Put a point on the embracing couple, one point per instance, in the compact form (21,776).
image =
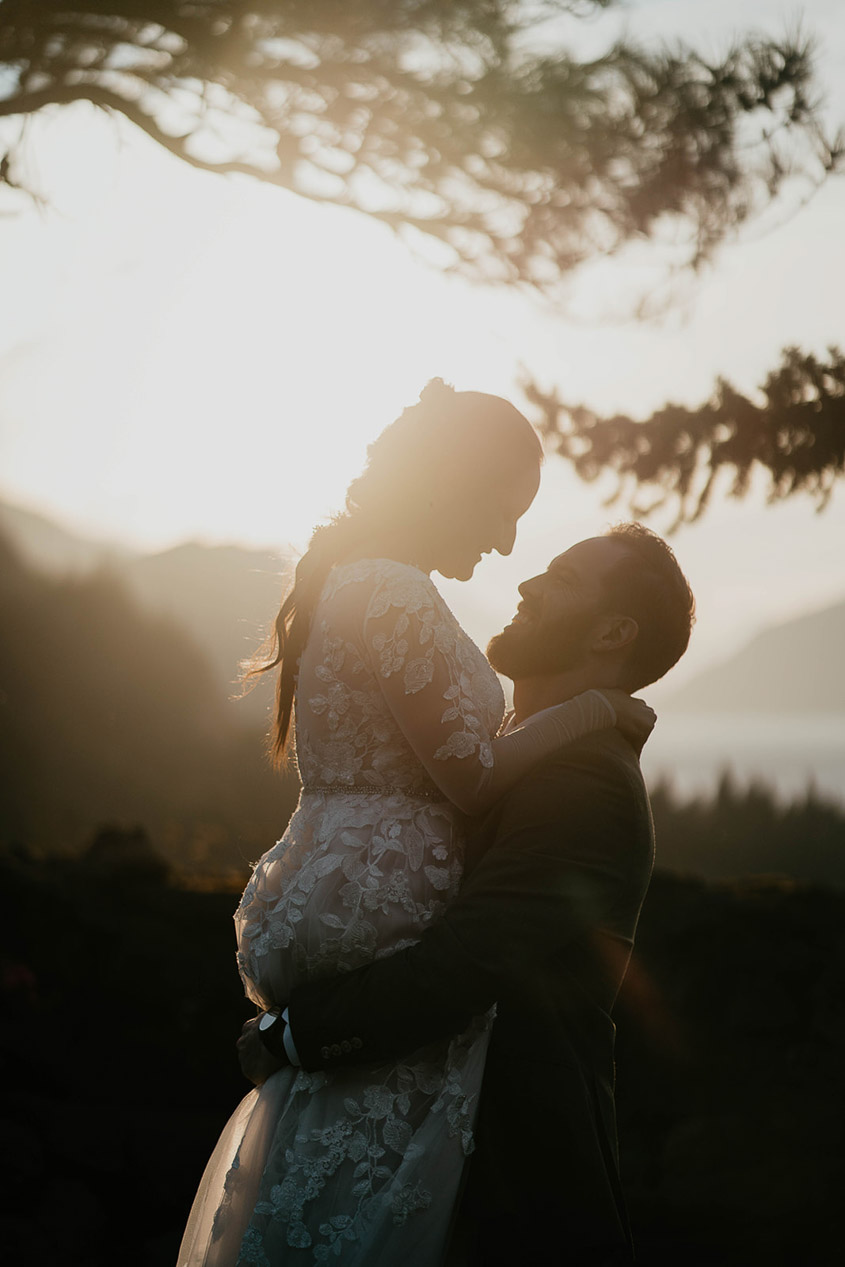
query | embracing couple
(436,943)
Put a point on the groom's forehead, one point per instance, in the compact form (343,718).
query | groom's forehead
(590,558)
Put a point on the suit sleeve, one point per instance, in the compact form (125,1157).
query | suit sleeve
(554,870)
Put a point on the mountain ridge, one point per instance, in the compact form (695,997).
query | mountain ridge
(790,667)
(226,597)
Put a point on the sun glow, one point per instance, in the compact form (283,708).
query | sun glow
(189,357)
(221,353)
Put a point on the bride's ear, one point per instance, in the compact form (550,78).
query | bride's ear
(615,633)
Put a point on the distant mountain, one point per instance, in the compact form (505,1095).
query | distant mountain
(225,597)
(110,715)
(794,667)
(44,544)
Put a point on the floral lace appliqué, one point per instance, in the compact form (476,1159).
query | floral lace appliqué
(359,1154)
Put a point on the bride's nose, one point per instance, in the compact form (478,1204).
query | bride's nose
(505,538)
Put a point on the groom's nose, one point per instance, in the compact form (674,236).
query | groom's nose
(530,588)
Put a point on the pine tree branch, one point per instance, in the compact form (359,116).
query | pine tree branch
(796,434)
(430,116)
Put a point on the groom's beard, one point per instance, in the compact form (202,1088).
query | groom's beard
(533,650)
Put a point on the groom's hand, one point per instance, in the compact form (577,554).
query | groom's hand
(257,1063)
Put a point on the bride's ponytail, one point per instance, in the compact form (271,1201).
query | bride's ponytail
(286,643)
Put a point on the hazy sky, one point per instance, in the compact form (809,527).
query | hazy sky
(187,356)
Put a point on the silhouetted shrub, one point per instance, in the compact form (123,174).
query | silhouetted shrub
(126,854)
(742,832)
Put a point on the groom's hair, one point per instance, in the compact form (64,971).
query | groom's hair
(648,585)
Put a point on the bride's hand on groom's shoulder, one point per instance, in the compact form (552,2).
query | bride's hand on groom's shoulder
(634,718)
(257,1063)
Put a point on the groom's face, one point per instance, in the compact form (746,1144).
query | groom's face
(560,612)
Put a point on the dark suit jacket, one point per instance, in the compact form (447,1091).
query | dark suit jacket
(543,926)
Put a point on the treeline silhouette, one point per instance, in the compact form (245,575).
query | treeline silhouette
(742,831)
(731,1092)
(121,1006)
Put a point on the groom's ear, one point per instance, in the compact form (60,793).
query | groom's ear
(614,633)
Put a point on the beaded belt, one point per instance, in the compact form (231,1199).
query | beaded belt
(356,789)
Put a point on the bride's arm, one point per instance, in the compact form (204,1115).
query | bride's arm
(423,663)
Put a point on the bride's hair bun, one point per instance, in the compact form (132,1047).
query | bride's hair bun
(437,393)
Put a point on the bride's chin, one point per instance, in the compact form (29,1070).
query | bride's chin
(457,571)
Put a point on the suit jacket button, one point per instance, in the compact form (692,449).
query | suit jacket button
(325,1052)
(335,1049)
(357,1044)
(345,1046)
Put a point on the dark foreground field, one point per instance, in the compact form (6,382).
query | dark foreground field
(122,1004)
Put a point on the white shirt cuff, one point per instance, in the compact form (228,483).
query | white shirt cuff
(290,1045)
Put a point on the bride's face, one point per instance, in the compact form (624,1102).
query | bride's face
(471,521)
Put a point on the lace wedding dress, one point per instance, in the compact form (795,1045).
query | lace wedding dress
(362,1166)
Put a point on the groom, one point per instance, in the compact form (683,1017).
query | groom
(543,926)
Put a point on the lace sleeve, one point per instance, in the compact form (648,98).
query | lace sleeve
(425,667)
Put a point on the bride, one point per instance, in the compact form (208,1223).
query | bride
(395,713)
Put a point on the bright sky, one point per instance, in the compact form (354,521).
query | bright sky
(183,356)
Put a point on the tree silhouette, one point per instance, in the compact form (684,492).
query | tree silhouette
(450,117)
(796,434)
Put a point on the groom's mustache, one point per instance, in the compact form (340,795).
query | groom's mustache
(526,613)
(527,610)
